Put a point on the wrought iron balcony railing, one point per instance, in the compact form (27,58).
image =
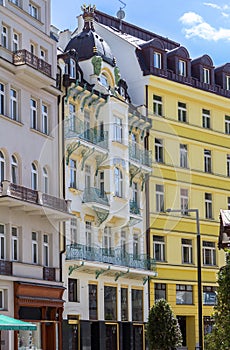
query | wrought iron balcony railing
(116,256)
(93,194)
(134,208)
(140,155)
(25,57)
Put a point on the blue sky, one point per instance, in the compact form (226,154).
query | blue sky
(202,27)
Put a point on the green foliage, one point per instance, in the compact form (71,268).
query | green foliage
(219,338)
(163,330)
(97,62)
(117,75)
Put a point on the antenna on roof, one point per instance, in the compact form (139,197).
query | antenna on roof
(121,13)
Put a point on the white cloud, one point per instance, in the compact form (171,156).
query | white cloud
(222,9)
(197,27)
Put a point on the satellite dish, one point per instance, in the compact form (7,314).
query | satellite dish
(121,14)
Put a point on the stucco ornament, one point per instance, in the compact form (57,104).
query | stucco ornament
(117,75)
(97,61)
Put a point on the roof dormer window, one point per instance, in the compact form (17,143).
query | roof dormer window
(227,82)
(157,60)
(182,68)
(206,75)
(72,68)
(104,80)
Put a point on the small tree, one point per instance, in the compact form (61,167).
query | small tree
(163,330)
(219,337)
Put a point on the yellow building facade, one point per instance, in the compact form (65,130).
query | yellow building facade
(190,172)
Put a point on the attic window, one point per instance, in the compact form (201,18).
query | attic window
(104,80)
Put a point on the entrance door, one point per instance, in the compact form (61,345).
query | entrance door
(50,336)
(138,343)
(111,337)
(182,323)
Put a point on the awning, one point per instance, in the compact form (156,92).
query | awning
(13,324)
(224,234)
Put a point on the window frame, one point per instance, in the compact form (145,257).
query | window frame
(186,251)
(183,156)
(2,98)
(182,112)
(5,36)
(207,161)
(160,198)
(73,173)
(33,10)
(208,205)
(118,182)
(2,166)
(159,248)
(209,253)
(73,290)
(206,75)
(206,118)
(45,119)
(34,246)
(117,129)
(159,150)
(182,68)
(187,290)
(184,201)
(33,114)
(157,105)
(157,60)
(14,169)
(34,177)
(46,250)
(14,107)
(2,242)
(227,124)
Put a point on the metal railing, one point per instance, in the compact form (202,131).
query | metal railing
(116,256)
(26,57)
(93,194)
(134,208)
(140,155)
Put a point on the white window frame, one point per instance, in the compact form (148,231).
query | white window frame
(2,242)
(13,104)
(46,255)
(183,156)
(159,156)
(186,247)
(208,205)
(209,253)
(87,176)
(34,247)
(228,164)
(184,201)
(157,58)
(33,10)
(182,112)
(45,180)
(5,37)
(136,246)
(42,54)
(118,182)
(88,235)
(73,231)
(34,177)
(72,68)
(227,125)
(14,169)
(15,243)
(15,42)
(158,248)
(33,114)
(159,198)
(206,119)
(101,183)
(157,105)
(207,161)
(117,129)
(227,82)
(73,173)
(206,75)
(2,166)
(182,68)
(123,242)
(107,241)
(45,119)
(2,98)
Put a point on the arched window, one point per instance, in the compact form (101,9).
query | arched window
(14,169)
(118,182)
(45,181)
(72,69)
(2,166)
(104,80)
(34,177)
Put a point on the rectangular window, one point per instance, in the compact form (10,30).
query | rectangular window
(45,250)
(209,253)
(73,290)
(2,242)
(206,120)
(227,124)
(15,243)
(184,294)
(159,198)
(33,114)
(209,295)
(72,117)
(15,42)
(136,247)
(73,231)
(13,104)
(228,199)
(124,304)
(110,303)
(182,112)
(87,176)
(183,156)
(208,205)
(157,105)
(33,11)
(157,60)
(2,300)
(182,68)
(158,248)
(186,245)
(160,291)
(184,201)
(117,129)
(228,164)
(123,244)
(5,37)
(101,179)
(73,173)
(207,161)
(34,248)
(107,241)
(93,314)
(227,82)
(159,150)
(88,235)
(2,98)
(42,54)
(137,305)
(206,75)
(45,120)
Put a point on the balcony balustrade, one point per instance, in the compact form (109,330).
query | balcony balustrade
(5,268)
(25,57)
(140,155)
(134,208)
(92,194)
(116,256)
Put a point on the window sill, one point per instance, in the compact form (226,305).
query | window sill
(17,122)
(41,133)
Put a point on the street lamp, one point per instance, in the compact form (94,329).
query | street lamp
(199,283)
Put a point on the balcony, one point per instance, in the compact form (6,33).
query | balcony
(26,199)
(5,268)
(114,256)
(49,274)
(140,155)
(21,57)
(134,208)
(95,195)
